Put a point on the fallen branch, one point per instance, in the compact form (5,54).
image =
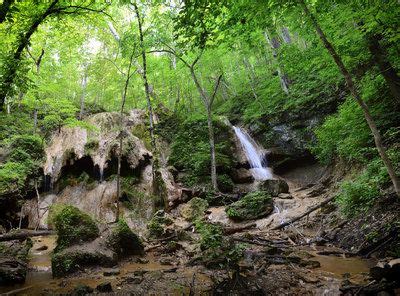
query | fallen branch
(312,209)
(21,235)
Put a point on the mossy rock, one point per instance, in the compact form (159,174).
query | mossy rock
(123,241)
(254,205)
(77,258)
(194,209)
(157,224)
(274,186)
(72,226)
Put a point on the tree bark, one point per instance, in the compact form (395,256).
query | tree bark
(14,61)
(385,67)
(353,90)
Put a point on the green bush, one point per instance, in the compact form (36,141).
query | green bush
(225,183)
(72,226)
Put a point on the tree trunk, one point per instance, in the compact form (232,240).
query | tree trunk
(357,97)
(84,84)
(385,67)
(252,76)
(212,149)
(144,75)
(207,104)
(274,44)
(14,61)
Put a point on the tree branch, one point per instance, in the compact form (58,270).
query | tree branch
(215,89)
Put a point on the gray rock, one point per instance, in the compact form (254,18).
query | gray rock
(111,272)
(274,186)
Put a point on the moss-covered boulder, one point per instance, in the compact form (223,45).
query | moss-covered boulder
(254,205)
(123,241)
(194,209)
(274,186)
(78,257)
(72,226)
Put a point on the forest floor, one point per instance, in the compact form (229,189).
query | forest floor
(298,260)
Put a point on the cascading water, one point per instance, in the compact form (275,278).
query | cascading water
(254,156)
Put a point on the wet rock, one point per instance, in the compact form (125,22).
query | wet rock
(285,196)
(81,290)
(388,270)
(242,175)
(104,287)
(42,248)
(132,279)
(14,261)
(166,261)
(274,186)
(254,205)
(195,208)
(12,270)
(111,272)
(142,260)
(139,272)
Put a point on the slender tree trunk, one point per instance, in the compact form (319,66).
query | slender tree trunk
(144,75)
(274,44)
(83,95)
(15,59)
(357,97)
(207,104)
(252,77)
(385,67)
(121,135)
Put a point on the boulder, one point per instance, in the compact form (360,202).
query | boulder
(274,186)
(254,205)
(123,241)
(12,271)
(195,208)
(14,261)
(78,257)
(388,270)
(242,175)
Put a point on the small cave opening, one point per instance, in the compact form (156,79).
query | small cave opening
(126,170)
(74,172)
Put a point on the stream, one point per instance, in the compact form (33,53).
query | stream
(39,280)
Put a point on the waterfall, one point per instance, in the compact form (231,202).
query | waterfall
(253,155)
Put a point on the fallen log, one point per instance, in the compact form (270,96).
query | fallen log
(232,230)
(312,209)
(21,235)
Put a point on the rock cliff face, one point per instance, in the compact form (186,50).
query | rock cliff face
(100,142)
(81,167)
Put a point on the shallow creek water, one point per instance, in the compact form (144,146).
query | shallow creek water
(39,278)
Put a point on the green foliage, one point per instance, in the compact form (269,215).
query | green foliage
(217,251)
(252,206)
(72,226)
(191,149)
(211,235)
(157,223)
(194,209)
(225,183)
(358,194)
